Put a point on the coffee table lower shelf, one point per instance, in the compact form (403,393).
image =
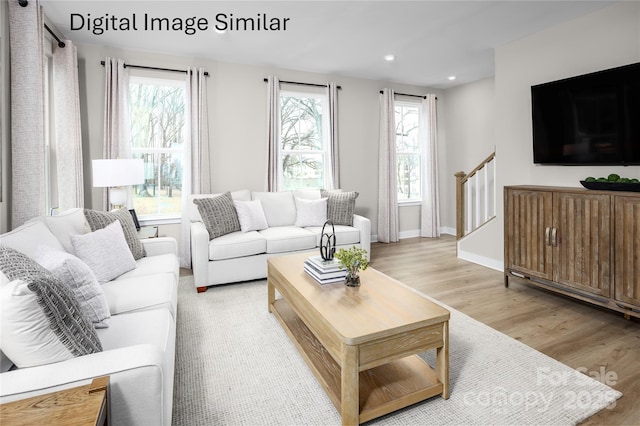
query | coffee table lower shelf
(383,389)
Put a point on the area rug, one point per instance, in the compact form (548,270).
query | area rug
(236,366)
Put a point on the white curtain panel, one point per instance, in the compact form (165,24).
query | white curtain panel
(388,230)
(26,41)
(196,177)
(68,138)
(332,95)
(430,211)
(273,131)
(117,140)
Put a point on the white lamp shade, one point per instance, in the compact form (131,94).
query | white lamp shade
(120,172)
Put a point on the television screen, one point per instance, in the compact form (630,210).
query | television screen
(588,120)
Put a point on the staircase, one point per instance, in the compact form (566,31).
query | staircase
(475,197)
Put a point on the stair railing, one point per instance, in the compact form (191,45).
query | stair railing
(476,197)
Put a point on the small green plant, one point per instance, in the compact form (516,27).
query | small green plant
(354,259)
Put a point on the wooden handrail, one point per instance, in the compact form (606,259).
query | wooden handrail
(461,179)
(479,167)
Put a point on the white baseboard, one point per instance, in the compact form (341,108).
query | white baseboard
(481,260)
(416,233)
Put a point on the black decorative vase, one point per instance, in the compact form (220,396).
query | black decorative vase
(328,242)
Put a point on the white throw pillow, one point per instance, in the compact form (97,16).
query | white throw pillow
(105,251)
(26,336)
(80,278)
(251,215)
(41,320)
(311,212)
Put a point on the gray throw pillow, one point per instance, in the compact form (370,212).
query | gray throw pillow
(341,206)
(218,214)
(58,303)
(79,277)
(105,252)
(99,220)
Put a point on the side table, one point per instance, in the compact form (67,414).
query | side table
(80,406)
(148,232)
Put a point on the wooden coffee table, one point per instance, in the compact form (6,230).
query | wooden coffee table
(361,342)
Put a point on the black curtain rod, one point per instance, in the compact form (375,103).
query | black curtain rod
(303,84)
(143,67)
(25,3)
(408,94)
(60,42)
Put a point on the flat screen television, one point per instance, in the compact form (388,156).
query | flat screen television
(592,119)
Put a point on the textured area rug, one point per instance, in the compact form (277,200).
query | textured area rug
(236,365)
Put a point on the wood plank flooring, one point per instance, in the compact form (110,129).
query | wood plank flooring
(577,334)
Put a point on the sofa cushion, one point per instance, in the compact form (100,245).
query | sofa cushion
(282,239)
(307,194)
(340,206)
(141,293)
(152,327)
(41,320)
(151,265)
(105,251)
(237,244)
(310,212)
(218,214)
(279,207)
(344,234)
(251,215)
(67,223)
(99,220)
(80,278)
(28,237)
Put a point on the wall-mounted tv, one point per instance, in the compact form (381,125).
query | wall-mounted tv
(592,119)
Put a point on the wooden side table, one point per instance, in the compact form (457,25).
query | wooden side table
(81,406)
(148,232)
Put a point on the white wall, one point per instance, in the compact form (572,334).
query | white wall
(237,117)
(470,125)
(601,40)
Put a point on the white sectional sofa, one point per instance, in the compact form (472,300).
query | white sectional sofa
(138,346)
(291,226)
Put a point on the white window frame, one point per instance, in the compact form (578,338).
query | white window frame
(168,80)
(419,153)
(326,143)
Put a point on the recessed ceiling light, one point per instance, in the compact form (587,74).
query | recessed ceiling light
(451,77)
(389,58)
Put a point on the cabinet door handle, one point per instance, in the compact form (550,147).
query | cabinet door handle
(547,234)
(554,237)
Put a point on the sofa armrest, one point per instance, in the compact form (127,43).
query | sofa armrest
(136,385)
(160,245)
(363,224)
(200,254)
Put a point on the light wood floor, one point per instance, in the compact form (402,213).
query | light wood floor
(575,333)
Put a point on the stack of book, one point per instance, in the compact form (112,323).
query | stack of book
(325,271)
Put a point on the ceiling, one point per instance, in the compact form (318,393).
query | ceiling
(431,40)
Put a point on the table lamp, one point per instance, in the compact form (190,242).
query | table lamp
(117,174)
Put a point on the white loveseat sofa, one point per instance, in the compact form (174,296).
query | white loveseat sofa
(242,256)
(138,346)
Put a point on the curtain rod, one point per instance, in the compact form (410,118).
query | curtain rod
(60,42)
(408,94)
(25,3)
(303,84)
(144,67)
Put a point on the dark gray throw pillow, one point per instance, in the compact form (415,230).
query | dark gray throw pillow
(99,220)
(341,206)
(57,301)
(219,215)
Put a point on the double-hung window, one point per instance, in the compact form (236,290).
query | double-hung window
(304,148)
(408,152)
(157,110)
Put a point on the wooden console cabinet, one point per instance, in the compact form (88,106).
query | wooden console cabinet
(578,242)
